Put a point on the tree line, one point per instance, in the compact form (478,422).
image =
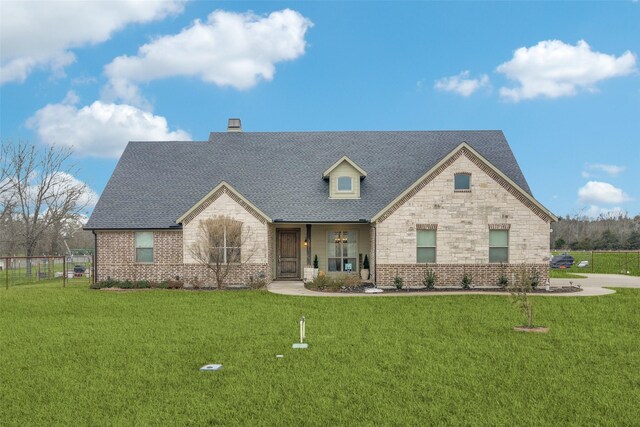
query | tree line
(579,232)
(41,203)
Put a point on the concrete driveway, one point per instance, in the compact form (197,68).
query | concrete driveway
(601,280)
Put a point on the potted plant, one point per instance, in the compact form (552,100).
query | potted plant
(315,266)
(364,272)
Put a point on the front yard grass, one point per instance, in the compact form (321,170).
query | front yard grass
(84,357)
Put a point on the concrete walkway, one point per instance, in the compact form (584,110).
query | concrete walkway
(593,285)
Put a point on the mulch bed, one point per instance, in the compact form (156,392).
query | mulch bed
(361,290)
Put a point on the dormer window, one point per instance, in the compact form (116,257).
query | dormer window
(462,182)
(345,178)
(345,183)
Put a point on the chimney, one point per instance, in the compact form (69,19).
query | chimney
(234,125)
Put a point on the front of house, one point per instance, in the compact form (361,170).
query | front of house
(452,201)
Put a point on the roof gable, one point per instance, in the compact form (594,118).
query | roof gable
(361,171)
(465,149)
(218,190)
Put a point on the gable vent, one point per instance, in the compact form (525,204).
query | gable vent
(234,125)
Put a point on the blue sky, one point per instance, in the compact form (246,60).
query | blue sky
(560,79)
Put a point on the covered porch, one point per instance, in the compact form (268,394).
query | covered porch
(339,247)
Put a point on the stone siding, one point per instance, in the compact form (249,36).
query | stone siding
(450,275)
(225,204)
(463,220)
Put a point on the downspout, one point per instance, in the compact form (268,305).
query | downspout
(95,256)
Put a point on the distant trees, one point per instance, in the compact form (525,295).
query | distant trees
(40,200)
(603,233)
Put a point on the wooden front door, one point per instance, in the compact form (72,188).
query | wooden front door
(288,253)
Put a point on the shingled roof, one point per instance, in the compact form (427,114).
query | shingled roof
(155,183)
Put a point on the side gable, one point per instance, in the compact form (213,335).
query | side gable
(465,150)
(213,195)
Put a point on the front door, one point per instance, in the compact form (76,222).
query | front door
(288,253)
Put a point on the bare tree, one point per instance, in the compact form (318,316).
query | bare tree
(40,190)
(223,244)
(520,289)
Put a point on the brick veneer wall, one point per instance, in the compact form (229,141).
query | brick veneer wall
(451,274)
(116,259)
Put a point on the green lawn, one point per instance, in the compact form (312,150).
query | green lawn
(604,263)
(80,357)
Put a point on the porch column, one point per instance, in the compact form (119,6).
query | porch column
(308,244)
(372,257)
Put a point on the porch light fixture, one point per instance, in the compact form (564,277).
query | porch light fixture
(305,242)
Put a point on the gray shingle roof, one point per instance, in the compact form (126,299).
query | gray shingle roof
(155,183)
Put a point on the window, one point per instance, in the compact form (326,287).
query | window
(228,244)
(426,242)
(345,183)
(342,249)
(462,182)
(498,246)
(144,246)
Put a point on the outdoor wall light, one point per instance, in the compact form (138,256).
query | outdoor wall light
(305,242)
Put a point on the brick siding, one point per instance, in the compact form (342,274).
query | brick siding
(451,274)
(116,260)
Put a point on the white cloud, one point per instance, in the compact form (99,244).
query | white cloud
(461,83)
(612,170)
(553,69)
(595,193)
(39,35)
(229,49)
(88,199)
(100,129)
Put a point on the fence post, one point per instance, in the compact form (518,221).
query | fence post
(592,261)
(64,271)
(6,271)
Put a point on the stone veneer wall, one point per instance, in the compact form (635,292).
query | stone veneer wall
(462,220)
(116,259)
(450,275)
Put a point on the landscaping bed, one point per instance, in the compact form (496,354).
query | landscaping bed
(363,288)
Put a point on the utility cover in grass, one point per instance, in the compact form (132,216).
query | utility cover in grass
(214,367)
(300,345)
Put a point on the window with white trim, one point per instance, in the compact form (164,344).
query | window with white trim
(345,183)
(144,246)
(498,245)
(426,246)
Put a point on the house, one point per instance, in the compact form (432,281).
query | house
(453,201)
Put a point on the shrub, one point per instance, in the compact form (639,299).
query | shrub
(127,284)
(503,281)
(399,282)
(466,281)
(257,282)
(429,278)
(163,285)
(365,263)
(315,261)
(350,280)
(323,282)
(174,284)
(534,279)
(143,284)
